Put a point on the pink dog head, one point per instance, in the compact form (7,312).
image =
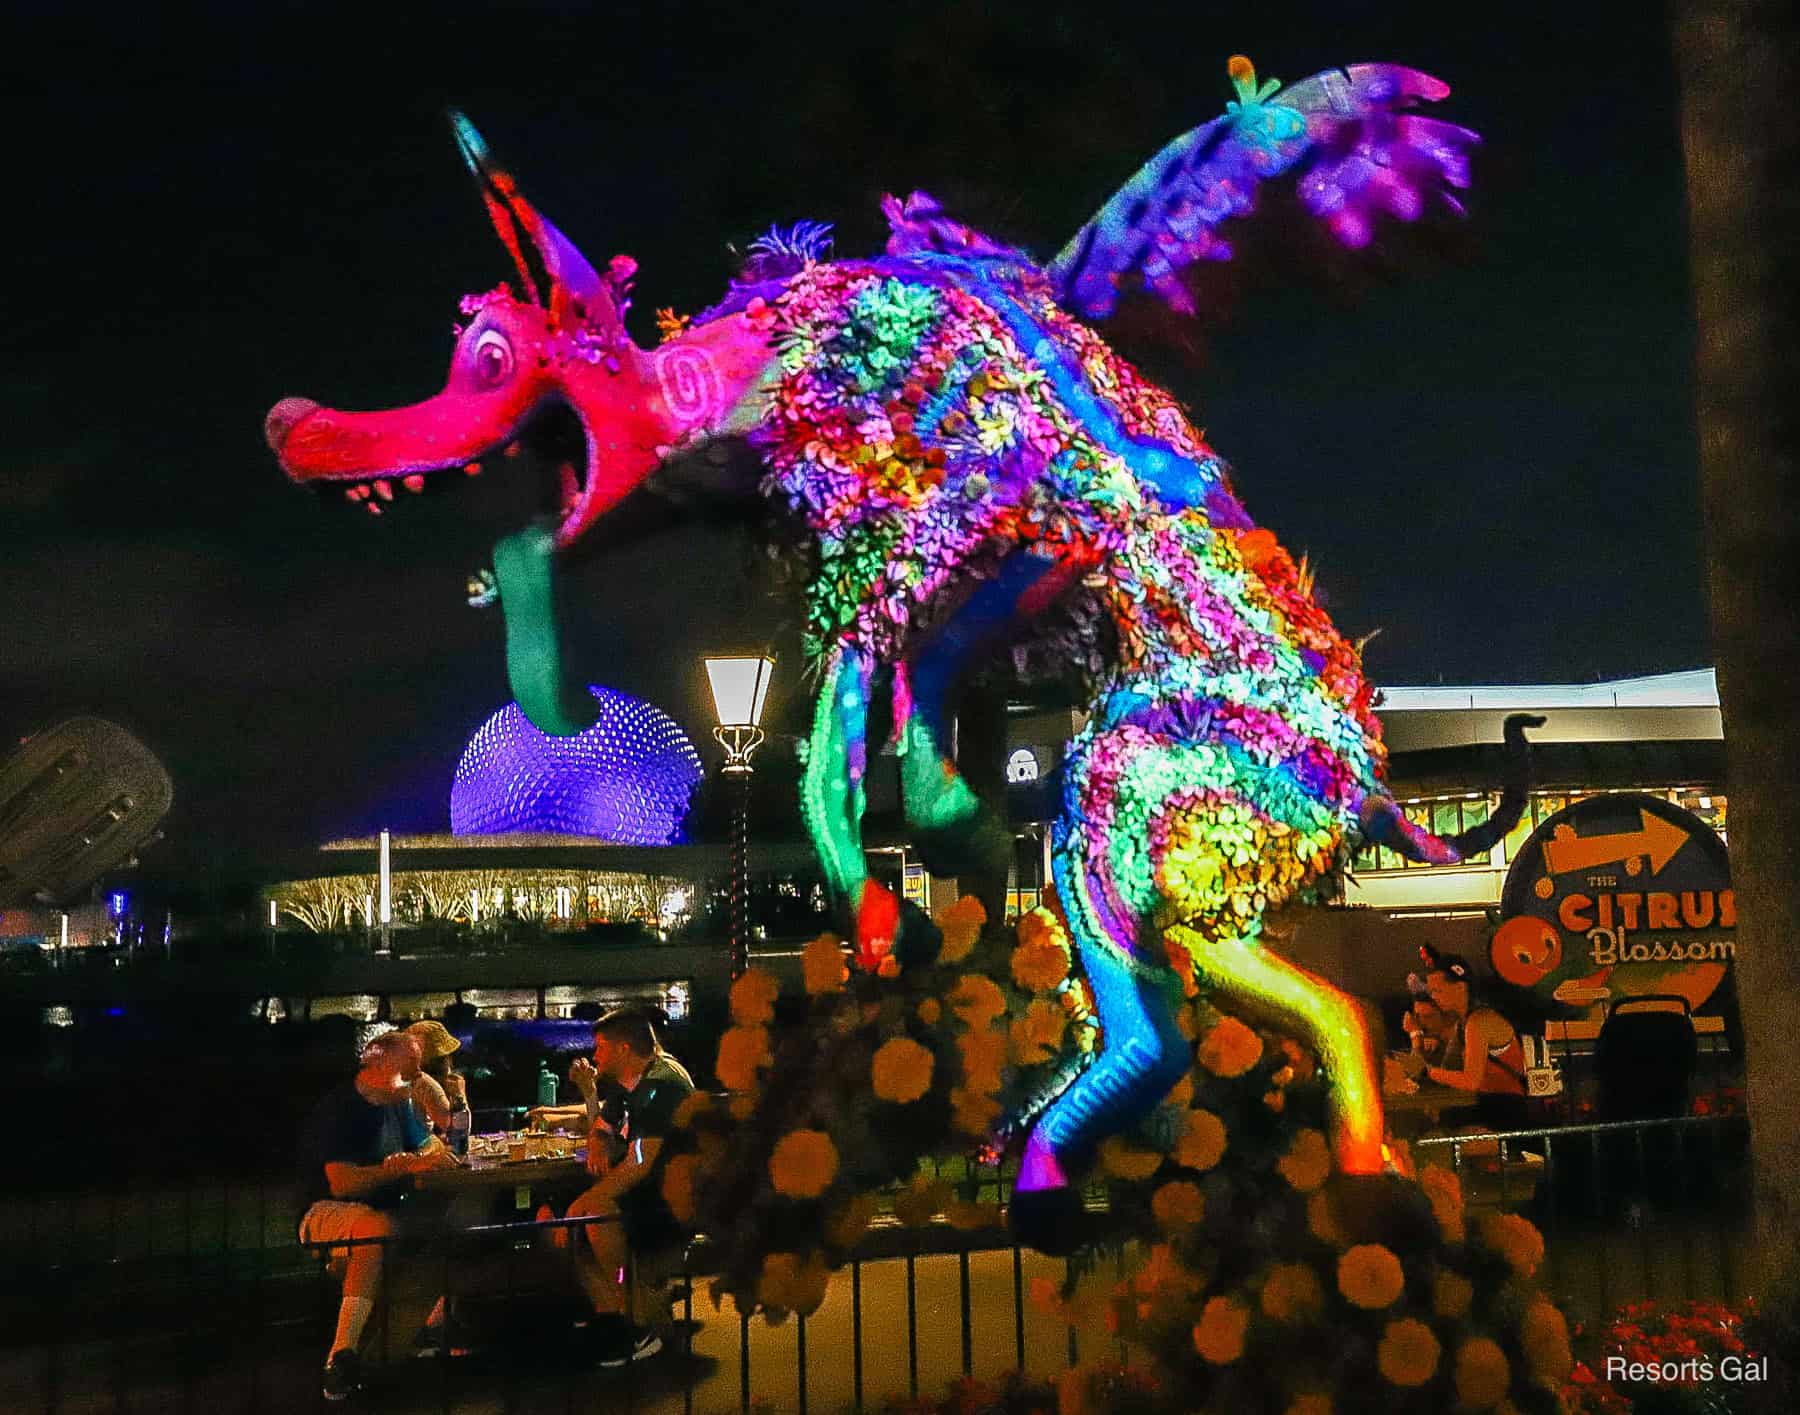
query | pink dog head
(565,340)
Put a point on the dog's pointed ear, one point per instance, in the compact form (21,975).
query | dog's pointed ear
(555,274)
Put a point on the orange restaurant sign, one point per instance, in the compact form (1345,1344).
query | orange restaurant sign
(1618,896)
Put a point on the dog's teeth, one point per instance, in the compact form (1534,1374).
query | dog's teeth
(350,494)
(473,469)
(384,489)
(374,510)
(414,483)
(512,450)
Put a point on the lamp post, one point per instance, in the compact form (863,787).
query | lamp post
(740,685)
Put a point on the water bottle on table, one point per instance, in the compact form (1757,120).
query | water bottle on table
(460,1121)
(546,1084)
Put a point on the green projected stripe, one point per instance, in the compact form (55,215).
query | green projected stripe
(524,566)
(937,798)
(832,807)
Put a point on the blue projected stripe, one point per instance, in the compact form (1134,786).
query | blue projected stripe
(1178,480)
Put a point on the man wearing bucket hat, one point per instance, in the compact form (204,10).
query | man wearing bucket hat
(439,1091)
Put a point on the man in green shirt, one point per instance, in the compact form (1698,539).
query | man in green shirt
(623,1155)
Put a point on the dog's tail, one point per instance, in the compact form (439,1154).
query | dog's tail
(1383,823)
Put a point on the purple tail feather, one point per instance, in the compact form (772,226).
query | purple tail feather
(1356,155)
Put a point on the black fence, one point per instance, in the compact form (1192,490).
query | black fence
(119,1314)
(202,1298)
(1630,1210)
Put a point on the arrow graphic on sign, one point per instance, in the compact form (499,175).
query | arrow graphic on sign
(1656,838)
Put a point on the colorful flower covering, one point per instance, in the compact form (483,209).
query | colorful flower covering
(936,414)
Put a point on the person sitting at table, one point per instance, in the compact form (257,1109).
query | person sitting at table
(438,1090)
(627,1193)
(358,1153)
(600,1102)
(438,1093)
(1428,1030)
(1482,1054)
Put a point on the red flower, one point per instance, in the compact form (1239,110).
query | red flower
(759,315)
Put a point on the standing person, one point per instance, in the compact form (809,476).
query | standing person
(439,1090)
(623,1158)
(1483,1054)
(358,1153)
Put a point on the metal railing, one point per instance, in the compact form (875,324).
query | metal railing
(107,1323)
(202,1298)
(1629,1210)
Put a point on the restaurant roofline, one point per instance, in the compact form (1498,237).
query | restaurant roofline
(1693,688)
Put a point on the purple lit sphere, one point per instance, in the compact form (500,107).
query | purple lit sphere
(628,778)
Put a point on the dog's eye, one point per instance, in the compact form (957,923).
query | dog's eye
(493,359)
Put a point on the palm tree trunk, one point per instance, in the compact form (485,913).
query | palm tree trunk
(1738,72)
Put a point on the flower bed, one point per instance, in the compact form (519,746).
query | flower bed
(1690,1357)
(1264,1279)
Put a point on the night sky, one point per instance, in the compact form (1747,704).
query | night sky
(1485,445)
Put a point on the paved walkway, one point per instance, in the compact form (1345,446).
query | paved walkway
(535,1368)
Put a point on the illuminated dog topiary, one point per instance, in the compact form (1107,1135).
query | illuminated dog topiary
(975,467)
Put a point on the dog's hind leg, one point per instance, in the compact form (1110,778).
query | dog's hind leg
(1135,991)
(1163,830)
(1258,983)
(1142,1057)
(1236,839)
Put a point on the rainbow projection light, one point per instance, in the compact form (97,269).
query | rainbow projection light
(977,471)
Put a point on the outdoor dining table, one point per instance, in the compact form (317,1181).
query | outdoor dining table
(474,1253)
(489,1168)
(1411,1112)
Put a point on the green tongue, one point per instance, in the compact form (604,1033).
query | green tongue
(524,565)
